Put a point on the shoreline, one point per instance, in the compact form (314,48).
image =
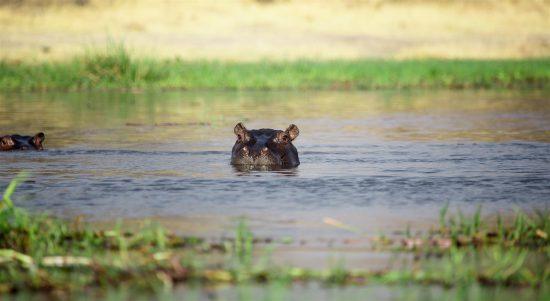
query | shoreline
(118,69)
(42,253)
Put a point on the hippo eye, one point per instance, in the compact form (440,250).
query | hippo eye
(281,137)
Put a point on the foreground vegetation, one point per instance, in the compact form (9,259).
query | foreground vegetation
(47,254)
(117,69)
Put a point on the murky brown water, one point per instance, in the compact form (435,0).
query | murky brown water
(375,160)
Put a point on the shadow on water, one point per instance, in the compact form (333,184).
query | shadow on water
(250,170)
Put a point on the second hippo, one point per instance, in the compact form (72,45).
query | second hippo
(18,142)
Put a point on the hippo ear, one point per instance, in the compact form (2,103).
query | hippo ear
(6,143)
(292,132)
(38,140)
(241,132)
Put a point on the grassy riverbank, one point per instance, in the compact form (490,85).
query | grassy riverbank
(47,254)
(117,69)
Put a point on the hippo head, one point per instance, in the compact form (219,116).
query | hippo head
(17,142)
(265,147)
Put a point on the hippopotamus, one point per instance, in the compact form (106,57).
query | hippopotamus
(265,147)
(18,142)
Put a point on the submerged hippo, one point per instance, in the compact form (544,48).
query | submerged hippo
(265,147)
(18,142)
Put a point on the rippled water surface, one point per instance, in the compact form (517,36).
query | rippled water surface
(376,160)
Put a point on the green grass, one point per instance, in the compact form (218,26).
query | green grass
(42,253)
(116,68)
(523,231)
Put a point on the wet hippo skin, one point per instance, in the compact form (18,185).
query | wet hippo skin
(265,147)
(18,142)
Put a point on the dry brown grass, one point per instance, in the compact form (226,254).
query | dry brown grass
(250,30)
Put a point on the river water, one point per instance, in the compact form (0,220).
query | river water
(377,161)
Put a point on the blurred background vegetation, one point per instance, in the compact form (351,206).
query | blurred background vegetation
(278,29)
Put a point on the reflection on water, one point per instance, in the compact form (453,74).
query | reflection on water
(246,170)
(377,160)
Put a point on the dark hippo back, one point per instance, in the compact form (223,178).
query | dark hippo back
(265,147)
(18,142)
